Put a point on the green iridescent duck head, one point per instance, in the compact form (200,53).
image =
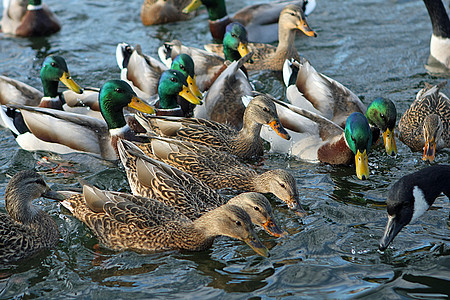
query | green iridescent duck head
(54,69)
(113,97)
(382,114)
(359,139)
(171,84)
(185,65)
(235,42)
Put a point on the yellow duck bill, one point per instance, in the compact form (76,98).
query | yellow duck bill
(272,228)
(194,88)
(70,83)
(187,94)
(195,4)
(141,106)
(389,142)
(362,165)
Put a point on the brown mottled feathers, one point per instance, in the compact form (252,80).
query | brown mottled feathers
(428,101)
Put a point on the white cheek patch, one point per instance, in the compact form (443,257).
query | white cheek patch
(420,204)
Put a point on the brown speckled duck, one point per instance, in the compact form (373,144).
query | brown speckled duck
(26,229)
(426,123)
(34,19)
(260,20)
(154,179)
(221,170)
(122,221)
(267,57)
(245,143)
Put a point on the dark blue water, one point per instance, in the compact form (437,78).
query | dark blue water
(376,48)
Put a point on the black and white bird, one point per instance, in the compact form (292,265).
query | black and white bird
(411,196)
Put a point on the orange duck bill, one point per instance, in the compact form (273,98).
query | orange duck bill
(273,229)
(279,129)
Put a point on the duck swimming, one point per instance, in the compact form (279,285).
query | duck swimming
(122,221)
(26,230)
(245,143)
(34,19)
(260,20)
(38,128)
(411,197)
(426,123)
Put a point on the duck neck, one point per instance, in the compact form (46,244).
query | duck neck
(286,39)
(230,53)
(439,18)
(23,213)
(216,10)
(168,101)
(50,88)
(113,116)
(34,5)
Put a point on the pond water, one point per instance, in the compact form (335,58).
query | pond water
(376,48)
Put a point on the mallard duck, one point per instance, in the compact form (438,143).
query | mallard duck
(426,123)
(34,19)
(245,143)
(260,20)
(142,72)
(193,198)
(221,170)
(54,69)
(411,196)
(154,12)
(318,93)
(315,138)
(268,57)
(122,221)
(440,39)
(26,229)
(222,102)
(209,66)
(37,128)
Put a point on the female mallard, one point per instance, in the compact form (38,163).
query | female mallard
(440,39)
(26,229)
(54,69)
(411,197)
(260,20)
(209,66)
(318,93)
(223,101)
(34,19)
(245,143)
(154,12)
(267,57)
(122,221)
(315,138)
(221,170)
(426,123)
(193,198)
(37,128)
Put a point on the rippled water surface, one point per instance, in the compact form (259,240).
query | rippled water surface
(376,48)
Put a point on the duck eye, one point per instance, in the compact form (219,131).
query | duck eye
(119,90)
(173,79)
(283,185)
(182,67)
(53,64)
(238,223)
(292,14)
(233,35)
(256,208)
(265,109)
(381,115)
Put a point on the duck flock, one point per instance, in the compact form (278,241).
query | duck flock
(190,124)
